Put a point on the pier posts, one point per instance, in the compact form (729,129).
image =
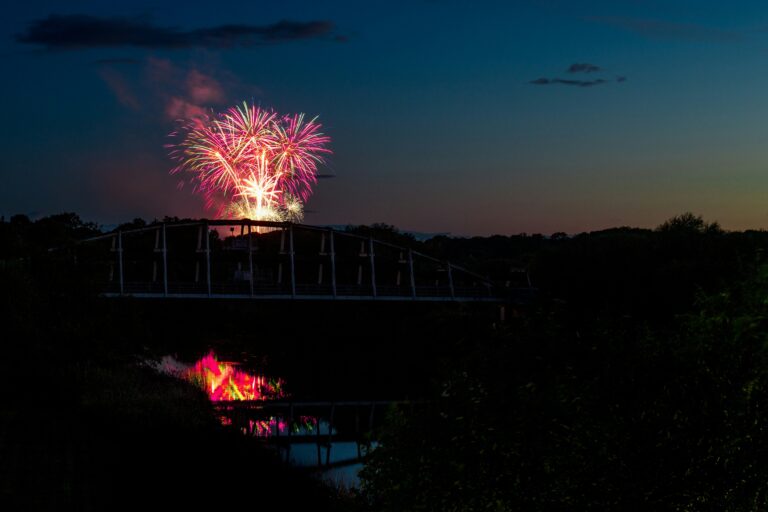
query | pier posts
(293,266)
(413,278)
(120,260)
(373,265)
(207,257)
(333,265)
(165,262)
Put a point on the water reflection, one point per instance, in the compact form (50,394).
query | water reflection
(334,437)
(223,380)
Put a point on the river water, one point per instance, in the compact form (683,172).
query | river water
(246,401)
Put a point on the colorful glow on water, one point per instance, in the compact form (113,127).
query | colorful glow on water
(224,381)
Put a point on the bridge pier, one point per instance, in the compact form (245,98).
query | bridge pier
(410,268)
(207,234)
(293,263)
(333,265)
(250,258)
(165,262)
(373,265)
(120,261)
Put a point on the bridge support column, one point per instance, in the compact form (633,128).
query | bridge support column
(207,257)
(330,435)
(410,268)
(373,265)
(293,264)
(333,265)
(320,265)
(317,434)
(165,262)
(250,257)
(290,429)
(120,260)
(450,280)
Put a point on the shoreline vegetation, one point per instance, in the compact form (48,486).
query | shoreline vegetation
(636,380)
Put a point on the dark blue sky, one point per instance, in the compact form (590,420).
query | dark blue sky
(444,116)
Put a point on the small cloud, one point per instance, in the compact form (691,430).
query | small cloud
(578,67)
(561,81)
(83,31)
(582,67)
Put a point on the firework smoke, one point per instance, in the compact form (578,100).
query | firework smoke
(252,163)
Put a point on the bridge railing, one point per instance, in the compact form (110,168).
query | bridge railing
(257,259)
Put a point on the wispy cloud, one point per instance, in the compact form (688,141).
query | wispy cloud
(582,67)
(84,31)
(160,86)
(669,30)
(204,89)
(562,81)
(184,93)
(575,68)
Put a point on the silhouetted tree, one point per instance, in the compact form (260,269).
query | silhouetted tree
(384,232)
(689,223)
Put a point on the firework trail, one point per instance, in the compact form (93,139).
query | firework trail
(252,163)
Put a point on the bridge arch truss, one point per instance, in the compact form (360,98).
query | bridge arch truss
(248,259)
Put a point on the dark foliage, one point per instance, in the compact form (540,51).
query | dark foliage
(621,418)
(647,274)
(22,238)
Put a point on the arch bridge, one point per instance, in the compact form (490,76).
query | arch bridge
(248,259)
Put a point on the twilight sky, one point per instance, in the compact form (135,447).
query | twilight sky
(503,117)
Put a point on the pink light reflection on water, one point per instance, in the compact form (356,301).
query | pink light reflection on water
(223,382)
(277,426)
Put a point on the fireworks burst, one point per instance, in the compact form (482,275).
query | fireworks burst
(252,163)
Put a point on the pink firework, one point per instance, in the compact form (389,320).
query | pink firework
(298,151)
(251,162)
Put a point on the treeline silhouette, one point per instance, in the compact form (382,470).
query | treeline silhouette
(648,273)
(637,379)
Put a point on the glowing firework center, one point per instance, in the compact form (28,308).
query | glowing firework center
(252,163)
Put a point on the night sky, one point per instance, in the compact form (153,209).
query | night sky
(497,117)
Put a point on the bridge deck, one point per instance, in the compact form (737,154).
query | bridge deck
(395,298)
